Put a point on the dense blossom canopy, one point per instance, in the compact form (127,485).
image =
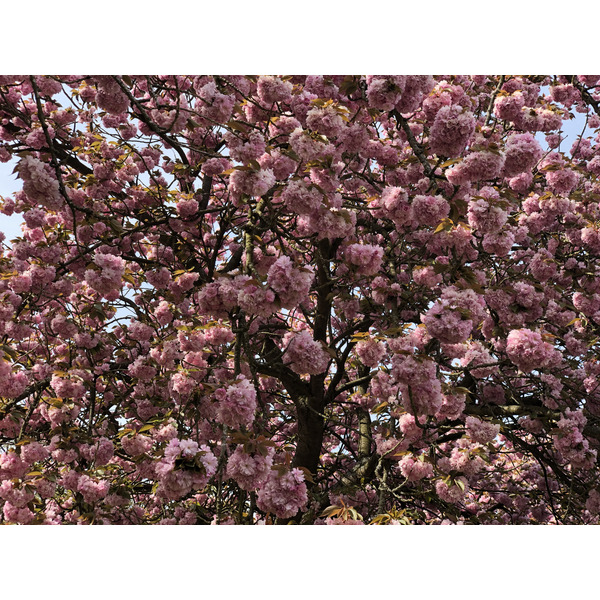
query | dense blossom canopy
(321,299)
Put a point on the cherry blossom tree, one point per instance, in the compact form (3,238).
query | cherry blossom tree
(316,300)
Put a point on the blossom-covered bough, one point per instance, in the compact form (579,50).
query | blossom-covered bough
(298,299)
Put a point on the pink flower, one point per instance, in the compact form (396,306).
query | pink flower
(477,166)
(110,97)
(418,384)
(213,104)
(452,318)
(366,257)
(237,404)
(480,431)
(40,183)
(325,120)
(67,388)
(508,108)
(593,502)
(301,199)
(370,352)
(249,470)
(291,284)
(529,351)
(484,215)
(430,210)
(215,166)
(140,369)
(522,152)
(283,494)
(561,182)
(304,355)
(252,183)
(452,493)
(451,131)
(273,89)
(385,92)
(15,514)
(187,208)
(414,469)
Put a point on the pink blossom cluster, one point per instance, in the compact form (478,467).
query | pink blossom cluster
(183,385)
(135,445)
(480,431)
(328,223)
(291,284)
(477,166)
(426,276)
(529,351)
(418,383)
(140,369)
(92,490)
(100,453)
(429,210)
(217,297)
(187,208)
(499,243)
(110,97)
(250,470)
(107,279)
(451,492)
(384,92)
(214,105)
(309,147)
(593,502)
(562,181)
(571,443)
(508,107)
(272,89)
(370,352)
(304,355)
(216,166)
(247,148)
(416,88)
(484,214)
(477,354)
(590,236)
(452,407)
(33,452)
(543,266)
(522,152)
(451,131)
(281,165)
(325,120)
(40,183)
(394,205)
(17,514)
(163,313)
(452,318)
(365,257)
(236,404)
(139,331)
(462,460)
(178,482)
(67,387)
(415,469)
(17,497)
(283,494)
(11,384)
(300,198)
(252,183)
(12,465)
(253,297)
